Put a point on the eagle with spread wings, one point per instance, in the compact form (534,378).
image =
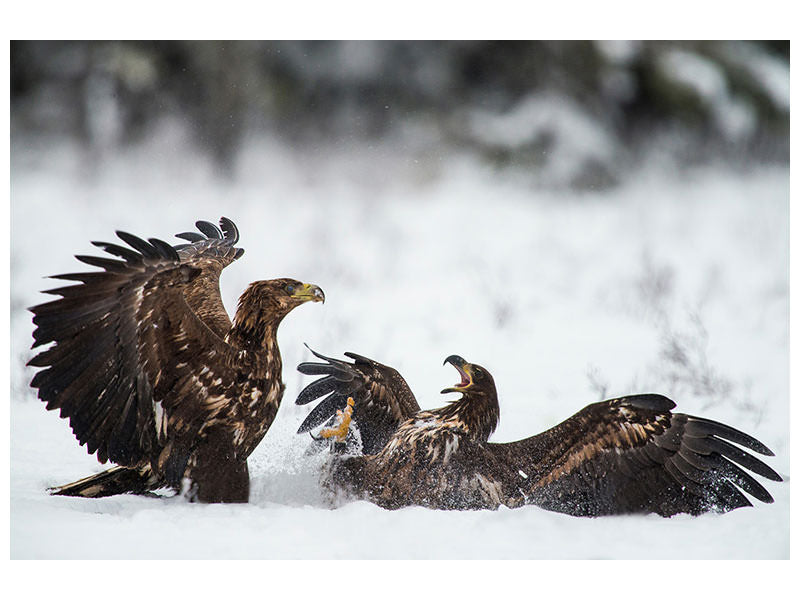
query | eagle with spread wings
(626,455)
(146,364)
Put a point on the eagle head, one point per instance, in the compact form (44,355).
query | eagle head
(477,411)
(265,303)
(474,378)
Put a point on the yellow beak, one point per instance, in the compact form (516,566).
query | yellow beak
(310,293)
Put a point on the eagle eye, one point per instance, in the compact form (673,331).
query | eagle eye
(290,289)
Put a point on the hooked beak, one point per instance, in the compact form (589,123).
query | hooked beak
(464,369)
(309,292)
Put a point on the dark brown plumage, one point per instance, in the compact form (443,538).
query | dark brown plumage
(626,455)
(383,399)
(151,372)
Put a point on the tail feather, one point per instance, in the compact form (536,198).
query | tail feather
(117,480)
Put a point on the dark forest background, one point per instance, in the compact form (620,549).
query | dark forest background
(692,102)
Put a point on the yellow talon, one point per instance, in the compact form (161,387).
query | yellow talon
(339,432)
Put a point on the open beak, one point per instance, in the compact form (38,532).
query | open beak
(309,292)
(464,369)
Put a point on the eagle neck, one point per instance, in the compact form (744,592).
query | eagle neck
(255,334)
(477,413)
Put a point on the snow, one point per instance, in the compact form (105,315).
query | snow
(674,283)
(621,52)
(769,71)
(572,137)
(735,117)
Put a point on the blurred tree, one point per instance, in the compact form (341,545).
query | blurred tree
(571,112)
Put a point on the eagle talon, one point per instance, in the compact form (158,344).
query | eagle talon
(338,433)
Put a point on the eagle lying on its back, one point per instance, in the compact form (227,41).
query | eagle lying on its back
(627,455)
(152,374)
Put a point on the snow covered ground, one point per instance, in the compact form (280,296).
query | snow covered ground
(675,283)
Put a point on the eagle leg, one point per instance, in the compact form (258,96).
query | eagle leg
(339,431)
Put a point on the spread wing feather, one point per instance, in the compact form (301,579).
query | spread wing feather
(632,454)
(382,397)
(134,366)
(210,253)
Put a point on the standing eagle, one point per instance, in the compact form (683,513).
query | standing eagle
(626,455)
(151,373)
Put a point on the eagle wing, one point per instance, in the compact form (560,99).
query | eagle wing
(632,454)
(382,398)
(210,252)
(137,363)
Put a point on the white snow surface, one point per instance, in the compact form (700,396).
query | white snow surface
(674,283)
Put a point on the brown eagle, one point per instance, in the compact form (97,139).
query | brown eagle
(151,373)
(626,455)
